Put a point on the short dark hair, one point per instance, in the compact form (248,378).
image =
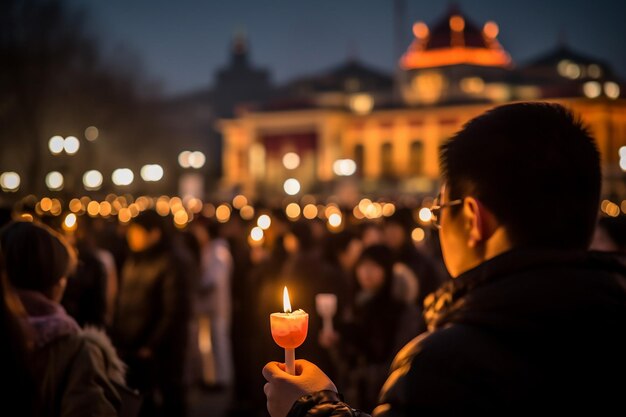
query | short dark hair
(535,166)
(35,256)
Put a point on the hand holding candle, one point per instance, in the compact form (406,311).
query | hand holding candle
(289,331)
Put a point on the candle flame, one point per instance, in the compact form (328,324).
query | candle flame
(286,303)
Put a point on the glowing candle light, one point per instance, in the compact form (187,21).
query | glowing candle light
(289,331)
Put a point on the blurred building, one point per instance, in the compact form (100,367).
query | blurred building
(356,127)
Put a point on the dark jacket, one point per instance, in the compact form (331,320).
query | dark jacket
(528,330)
(154,303)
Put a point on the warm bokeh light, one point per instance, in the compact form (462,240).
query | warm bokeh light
(55,144)
(611,89)
(71,144)
(592,89)
(472,85)
(610,208)
(151,172)
(93,208)
(293,211)
(194,205)
(491,29)
(239,201)
(54,181)
(183,159)
(75,205)
(418,234)
(188,159)
(291,186)
(92,180)
(105,209)
(222,213)
(364,204)
(291,160)
(124,215)
(91,133)
(388,209)
(197,159)
(246,212)
(420,30)
(122,176)
(457,23)
(10,181)
(331,209)
(362,103)
(264,221)
(357,213)
(425,215)
(69,223)
(256,234)
(181,218)
(334,220)
(309,211)
(45,204)
(56,208)
(344,167)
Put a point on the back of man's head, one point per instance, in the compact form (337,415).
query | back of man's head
(535,166)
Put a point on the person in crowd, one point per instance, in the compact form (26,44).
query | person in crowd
(380,325)
(91,290)
(76,371)
(371,234)
(422,276)
(151,322)
(214,305)
(17,380)
(341,252)
(531,320)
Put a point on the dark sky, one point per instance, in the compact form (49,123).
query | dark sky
(182,42)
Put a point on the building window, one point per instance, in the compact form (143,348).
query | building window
(386,159)
(359,158)
(416,158)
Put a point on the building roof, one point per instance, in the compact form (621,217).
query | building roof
(454,39)
(350,76)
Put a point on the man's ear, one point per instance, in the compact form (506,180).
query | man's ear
(479,220)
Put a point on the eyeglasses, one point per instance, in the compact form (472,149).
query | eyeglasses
(435,210)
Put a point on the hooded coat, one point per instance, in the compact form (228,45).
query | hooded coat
(77,371)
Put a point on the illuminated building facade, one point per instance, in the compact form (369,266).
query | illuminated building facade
(391,127)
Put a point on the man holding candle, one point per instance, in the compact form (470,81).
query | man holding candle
(531,320)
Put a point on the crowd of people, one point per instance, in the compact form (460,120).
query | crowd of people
(122,319)
(169,309)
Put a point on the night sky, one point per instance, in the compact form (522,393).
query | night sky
(181,43)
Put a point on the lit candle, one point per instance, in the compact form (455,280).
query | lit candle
(289,331)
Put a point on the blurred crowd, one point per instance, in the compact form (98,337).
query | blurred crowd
(125,319)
